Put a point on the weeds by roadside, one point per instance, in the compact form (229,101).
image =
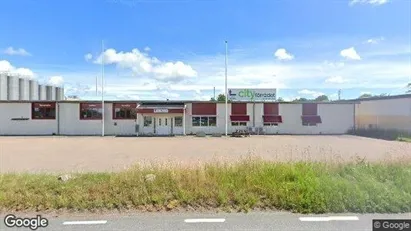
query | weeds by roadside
(385,134)
(299,187)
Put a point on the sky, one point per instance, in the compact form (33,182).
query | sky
(175,49)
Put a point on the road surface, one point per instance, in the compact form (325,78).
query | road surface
(280,221)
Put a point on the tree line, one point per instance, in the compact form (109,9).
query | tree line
(321,98)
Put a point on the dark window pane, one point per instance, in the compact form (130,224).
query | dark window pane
(212,121)
(196,121)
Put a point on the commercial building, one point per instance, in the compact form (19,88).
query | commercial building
(173,117)
(387,112)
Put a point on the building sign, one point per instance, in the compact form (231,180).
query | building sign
(160,110)
(252,94)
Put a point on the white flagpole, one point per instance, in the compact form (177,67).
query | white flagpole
(102,88)
(226,90)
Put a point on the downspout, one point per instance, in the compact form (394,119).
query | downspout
(253,114)
(184,119)
(58,118)
(355,120)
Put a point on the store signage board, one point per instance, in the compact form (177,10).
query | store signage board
(247,94)
(160,110)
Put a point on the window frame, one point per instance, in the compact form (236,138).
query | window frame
(200,124)
(52,106)
(130,108)
(149,124)
(178,124)
(310,124)
(270,124)
(98,108)
(238,123)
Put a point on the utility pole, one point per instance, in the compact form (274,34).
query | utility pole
(226,91)
(339,94)
(102,88)
(214,94)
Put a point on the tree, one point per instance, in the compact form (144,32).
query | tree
(221,98)
(212,99)
(301,100)
(280,99)
(365,95)
(322,98)
(409,88)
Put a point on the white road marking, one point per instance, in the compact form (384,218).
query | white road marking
(331,218)
(85,222)
(204,220)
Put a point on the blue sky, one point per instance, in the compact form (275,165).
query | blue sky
(159,49)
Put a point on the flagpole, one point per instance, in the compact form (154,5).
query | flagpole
(226,90)
(102,88)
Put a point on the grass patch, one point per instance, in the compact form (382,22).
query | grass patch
(299,187)
(404,139)
(385,134)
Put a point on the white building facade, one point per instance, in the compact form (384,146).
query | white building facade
(390,112)
(172,118)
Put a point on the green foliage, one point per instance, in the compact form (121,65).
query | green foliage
(322,98)
(221,98)
(385,134)
(306,187)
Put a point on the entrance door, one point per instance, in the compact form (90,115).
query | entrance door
(163,126)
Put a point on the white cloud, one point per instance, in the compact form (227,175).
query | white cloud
(371,2)
(366,92)
(375,40)
(56,81)
(350,53)
(169,95)
(142,64)
(147,49)
(333,96)
(310,93)
(333,64)
(282,54)
(88,57)
(18,51)
(336,79)
(5,66)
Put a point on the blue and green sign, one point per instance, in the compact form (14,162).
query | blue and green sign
(252,94)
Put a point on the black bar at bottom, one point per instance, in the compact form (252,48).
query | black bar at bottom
(391,225)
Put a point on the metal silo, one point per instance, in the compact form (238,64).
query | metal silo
(3,87)
(34,90)
(42,92)
(13,85)
(51,93)
(24,89)
(59,93)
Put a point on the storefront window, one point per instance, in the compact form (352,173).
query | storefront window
(148,121)
(178,121)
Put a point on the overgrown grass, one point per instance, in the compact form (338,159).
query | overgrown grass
(404,139)
(385,134)
(299,187)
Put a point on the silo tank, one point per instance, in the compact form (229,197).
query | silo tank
(51,93)
(42,92)
(3,87)
(59,93)
(13,85)
(24,89)
(34,90)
